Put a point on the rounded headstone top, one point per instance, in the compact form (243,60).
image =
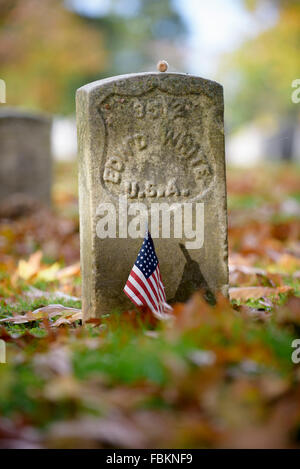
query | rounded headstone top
(162,66)
(137,83)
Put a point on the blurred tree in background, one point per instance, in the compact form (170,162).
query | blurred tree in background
(263,69)
(45,51)
(49,48)
(140,33)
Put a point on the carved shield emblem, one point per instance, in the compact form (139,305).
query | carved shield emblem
(157,146)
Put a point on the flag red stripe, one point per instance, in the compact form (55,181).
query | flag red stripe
(131,296)
(144,287)
(153,285)
(134,291)
(138,294)
(154,290)
(148,287)
(147,284)
(162,285)
(154,281)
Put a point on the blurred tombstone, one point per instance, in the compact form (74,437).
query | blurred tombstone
(245,147)
(2,91)
(280,145)
(151,138)
(254,143)
(25,155)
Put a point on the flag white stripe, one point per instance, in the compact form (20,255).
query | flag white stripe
(162,289)
(133,295)
(162,293)
(158,288)
(145,283)
(151,281)
(161,286)
(141,291)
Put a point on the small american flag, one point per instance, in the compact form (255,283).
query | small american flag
(144,286)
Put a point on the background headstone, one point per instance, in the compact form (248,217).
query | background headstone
(25,155)
(163,129)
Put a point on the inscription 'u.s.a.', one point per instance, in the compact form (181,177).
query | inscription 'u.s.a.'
(152,143)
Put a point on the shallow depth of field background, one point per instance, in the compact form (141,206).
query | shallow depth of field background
(213,377)
(48,49)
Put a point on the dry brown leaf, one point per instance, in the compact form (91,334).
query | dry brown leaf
(115,430)
(245,269)
(33,293)
(46,312)
(49,273)
(14,436)
(69,271)
(68,319)
(27,269)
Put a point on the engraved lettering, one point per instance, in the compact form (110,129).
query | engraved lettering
(150,190)
(171,137)
(111,175)
(135,189)
(140,142)
(127,148)
(115,162)
(200,158)
(190,146)
(183,142)
(178,108)
(131,189)
(137,142)
(202,171)
(139,108)
(171,189)
(185,192)
(155,108)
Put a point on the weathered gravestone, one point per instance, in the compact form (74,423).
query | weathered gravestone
(25,156)
(151,138)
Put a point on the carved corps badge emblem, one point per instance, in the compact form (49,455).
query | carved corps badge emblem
(156,146)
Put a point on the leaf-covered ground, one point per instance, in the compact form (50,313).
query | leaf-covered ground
(212,377)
